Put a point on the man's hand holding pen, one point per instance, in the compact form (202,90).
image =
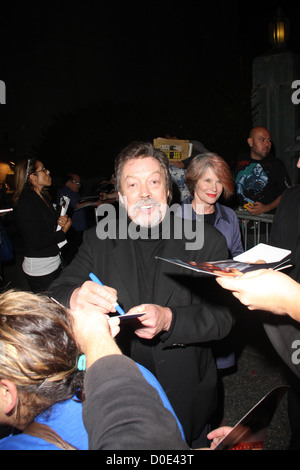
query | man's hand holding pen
(155,320)
(93,294)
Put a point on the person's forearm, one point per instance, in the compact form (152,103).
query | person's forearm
(100,347)
(283,301)
(73,299)
(268,290)
(273,205)
(122,411)
(206,323)
(291,301)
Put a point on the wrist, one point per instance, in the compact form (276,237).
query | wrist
(293,308)
(98,348)
(168,319)
(73,299)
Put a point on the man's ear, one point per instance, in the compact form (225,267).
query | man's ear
(121,199)
(10,396)
(250,141)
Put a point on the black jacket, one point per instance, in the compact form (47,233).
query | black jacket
(37,224)
(284,332)
(183,360)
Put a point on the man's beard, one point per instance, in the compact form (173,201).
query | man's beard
(263,153)
(141,219)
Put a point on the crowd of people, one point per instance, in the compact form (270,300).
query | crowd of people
(65,353)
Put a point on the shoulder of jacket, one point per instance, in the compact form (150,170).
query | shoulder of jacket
(228,211)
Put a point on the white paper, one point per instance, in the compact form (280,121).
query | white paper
(64,202)
(267,253)
(4,211)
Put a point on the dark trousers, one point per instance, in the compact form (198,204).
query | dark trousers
(68,251)
(294,411)
(40,284)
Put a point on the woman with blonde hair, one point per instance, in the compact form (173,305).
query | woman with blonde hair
(208,177)
(38,371)
(37,222)
(42,376)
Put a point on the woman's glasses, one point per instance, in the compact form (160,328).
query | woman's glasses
(38,171)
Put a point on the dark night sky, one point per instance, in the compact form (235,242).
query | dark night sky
(84,78)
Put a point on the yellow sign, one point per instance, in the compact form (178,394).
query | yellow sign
(174,149)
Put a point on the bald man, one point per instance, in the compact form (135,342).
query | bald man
(261,178)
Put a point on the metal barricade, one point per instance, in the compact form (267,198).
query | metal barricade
(254,223)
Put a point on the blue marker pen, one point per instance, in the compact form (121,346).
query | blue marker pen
(116,305)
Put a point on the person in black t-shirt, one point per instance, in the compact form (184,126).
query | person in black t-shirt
(260,177)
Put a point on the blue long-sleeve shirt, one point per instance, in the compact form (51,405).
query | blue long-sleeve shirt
(226,222)
(66,419)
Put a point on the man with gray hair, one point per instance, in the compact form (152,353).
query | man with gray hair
(172,337)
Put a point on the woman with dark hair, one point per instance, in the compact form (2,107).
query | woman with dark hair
(208,177)
(37,222)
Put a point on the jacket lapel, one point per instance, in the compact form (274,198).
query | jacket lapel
(165,271)
(124,260)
